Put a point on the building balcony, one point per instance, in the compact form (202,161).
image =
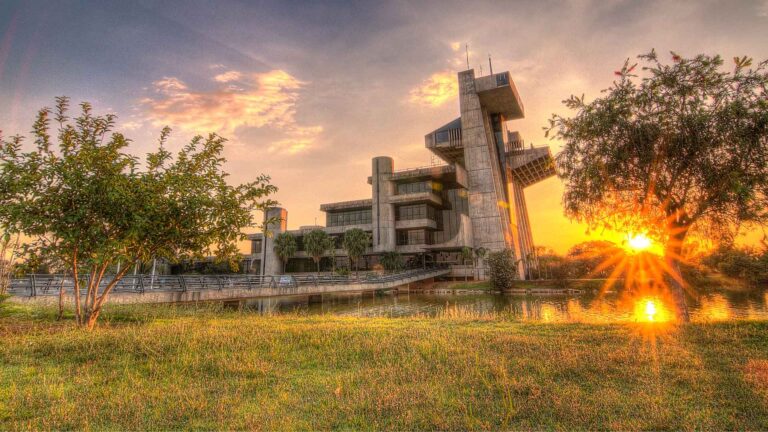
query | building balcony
(446,142)
(342,228)
(429,197)
(416,223)
(498,94)
(530,165)
(347,205)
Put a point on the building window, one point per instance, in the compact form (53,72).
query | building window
(502,79)
(256,246)
(409,188)
(354,217)
(417,211)
(442,136)
(414,237)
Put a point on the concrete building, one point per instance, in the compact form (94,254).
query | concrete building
(475,199)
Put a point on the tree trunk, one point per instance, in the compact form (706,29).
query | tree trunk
(61,301)
(672,257)
(76,293)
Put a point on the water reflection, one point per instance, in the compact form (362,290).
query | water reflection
(610,307)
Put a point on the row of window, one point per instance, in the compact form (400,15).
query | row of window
(354,217)
(417,187)
(414,237)
(417,211)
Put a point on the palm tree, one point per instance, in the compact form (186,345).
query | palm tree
(331,248)
(466,255)
(285,247)
(356,241)
(479,255)
(316,243)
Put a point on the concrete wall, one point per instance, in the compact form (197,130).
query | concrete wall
(383,211)
(487,227)
(271,263)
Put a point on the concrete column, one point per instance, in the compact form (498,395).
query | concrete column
(484,200)
(271,264)
(383,212)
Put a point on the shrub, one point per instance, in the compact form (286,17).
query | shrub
(503,269)
(392,261)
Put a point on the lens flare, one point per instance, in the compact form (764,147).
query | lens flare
(652,310)
(639,242)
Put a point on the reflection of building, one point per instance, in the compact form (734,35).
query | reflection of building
(429,214)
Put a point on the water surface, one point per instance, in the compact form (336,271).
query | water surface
(609,307)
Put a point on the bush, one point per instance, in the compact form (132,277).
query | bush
(392,261)
(741,263)
(502,268)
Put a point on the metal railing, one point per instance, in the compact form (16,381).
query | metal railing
(35,285)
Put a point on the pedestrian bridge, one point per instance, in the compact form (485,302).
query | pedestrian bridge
(45,289)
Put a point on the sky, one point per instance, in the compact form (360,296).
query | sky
(309,92)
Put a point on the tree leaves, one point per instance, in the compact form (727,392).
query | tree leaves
(88,204)
(686,143)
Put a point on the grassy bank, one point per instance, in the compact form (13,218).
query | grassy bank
(165,368)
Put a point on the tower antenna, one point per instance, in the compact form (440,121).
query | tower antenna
(490,65)
(466,48)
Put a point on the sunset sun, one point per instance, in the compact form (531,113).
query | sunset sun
(638,242)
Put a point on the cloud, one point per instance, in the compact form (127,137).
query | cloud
(762,9)
(436,90)
(228,76)
(265,100)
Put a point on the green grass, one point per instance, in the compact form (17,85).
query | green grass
(159,367)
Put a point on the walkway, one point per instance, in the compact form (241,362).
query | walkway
(167,289)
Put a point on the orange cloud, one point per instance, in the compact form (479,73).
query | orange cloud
(436,90)
(260,100)
(228,76)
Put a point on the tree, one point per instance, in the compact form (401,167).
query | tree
(331,248)
(467,255)
(503,269)
(316,244)
(392,261)
(86,202)
(684,148)
(480,254)
(285,247)
(356,241)
(9,251)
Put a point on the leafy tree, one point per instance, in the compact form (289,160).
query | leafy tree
(356,241)
(392,261)
(480,254)
(467,254)
(316,244)
(503,269)
(285,247)
(331,248)
(9,251)
(684,147)
(746,264)
(85,202)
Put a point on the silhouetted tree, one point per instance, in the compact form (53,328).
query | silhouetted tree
(684,147)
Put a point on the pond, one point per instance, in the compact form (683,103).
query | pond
(588,308)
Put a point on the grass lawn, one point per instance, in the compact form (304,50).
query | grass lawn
(171,368)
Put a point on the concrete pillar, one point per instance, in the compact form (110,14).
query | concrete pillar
(271,264)
(486,204)
(383,220)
